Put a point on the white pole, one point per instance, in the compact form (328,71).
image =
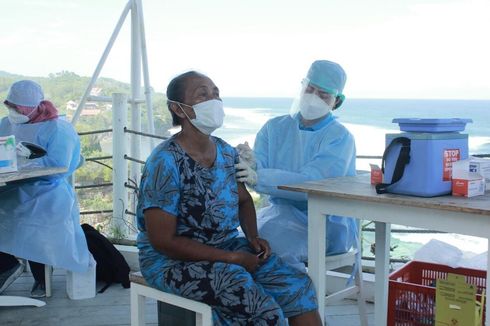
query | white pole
(101,63)
(135,94)
(119,165)
(146,76)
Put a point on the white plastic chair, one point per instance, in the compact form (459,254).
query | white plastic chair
(350,258)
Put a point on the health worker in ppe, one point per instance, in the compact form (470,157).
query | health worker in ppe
(39,217)
(308,144)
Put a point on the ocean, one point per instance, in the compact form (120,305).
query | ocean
(372,117)
(369,120)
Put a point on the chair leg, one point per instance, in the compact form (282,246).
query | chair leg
(361,300)
(137,306)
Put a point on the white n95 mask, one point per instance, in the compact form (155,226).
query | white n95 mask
(17,118)
(313,107)
(209,115)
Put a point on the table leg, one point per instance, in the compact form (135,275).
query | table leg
(382,263)
(316,252)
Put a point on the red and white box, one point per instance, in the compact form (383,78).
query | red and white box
(465,181)
(376,174)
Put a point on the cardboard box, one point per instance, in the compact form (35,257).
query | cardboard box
(8,154)
(466,182)
(482,167)
(468,187)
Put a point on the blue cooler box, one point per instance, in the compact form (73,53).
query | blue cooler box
(429,170)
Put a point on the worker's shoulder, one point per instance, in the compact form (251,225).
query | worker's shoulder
(280,120)
(338,126)
(60,126)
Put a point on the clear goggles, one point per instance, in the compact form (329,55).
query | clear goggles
(325,94)
(329,96)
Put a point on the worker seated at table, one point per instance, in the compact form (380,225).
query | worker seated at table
(189,208)
(39,218)
(307,144)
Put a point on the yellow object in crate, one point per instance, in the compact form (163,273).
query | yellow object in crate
(455,302)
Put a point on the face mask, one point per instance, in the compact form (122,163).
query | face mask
(17,118)
(313,107)
(209,115)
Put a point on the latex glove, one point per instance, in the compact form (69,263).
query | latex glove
(245,173)
(247,154)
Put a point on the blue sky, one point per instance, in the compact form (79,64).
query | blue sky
(389,48)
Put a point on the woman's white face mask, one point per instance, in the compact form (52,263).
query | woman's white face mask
(313,107)
(16,117)
(209,115)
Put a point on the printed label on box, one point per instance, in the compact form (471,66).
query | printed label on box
(468,187)
(449,156)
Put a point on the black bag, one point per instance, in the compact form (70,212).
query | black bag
(111,265)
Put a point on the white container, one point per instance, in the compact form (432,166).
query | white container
(8,154)
(467,180)
(81,285)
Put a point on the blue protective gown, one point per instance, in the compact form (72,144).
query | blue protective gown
(39,217)
(289,153)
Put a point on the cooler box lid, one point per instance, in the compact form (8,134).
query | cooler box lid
(431,125)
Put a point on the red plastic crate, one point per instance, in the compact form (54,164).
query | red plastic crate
(412,291)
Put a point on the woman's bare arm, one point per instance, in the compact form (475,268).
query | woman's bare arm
(161,228)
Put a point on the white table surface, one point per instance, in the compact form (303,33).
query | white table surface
(356,197)
(6,300)
(29,173)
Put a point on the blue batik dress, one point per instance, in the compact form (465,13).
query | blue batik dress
(205,202)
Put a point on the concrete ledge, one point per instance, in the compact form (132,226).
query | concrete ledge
(131,254)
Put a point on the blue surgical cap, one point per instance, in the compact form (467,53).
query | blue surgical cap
(327,75)
(25,93)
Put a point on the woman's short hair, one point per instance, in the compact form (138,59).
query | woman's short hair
(176,92)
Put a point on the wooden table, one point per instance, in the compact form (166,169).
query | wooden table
(29,173)
(6,300)
(356,197)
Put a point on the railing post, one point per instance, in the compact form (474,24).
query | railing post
(135,94)
(119,227)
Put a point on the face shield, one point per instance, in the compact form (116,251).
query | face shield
(315,102)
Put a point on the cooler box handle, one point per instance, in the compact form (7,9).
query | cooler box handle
(402,160)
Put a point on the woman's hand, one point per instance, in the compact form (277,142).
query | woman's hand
(247,260)
(261,246)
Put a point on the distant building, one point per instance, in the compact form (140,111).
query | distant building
(71,105)
(90,109)
(90,112)
(90,106)
(95,91)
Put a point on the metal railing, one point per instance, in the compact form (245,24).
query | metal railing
(122,215)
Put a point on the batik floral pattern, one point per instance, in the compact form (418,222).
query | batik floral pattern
(205,202)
